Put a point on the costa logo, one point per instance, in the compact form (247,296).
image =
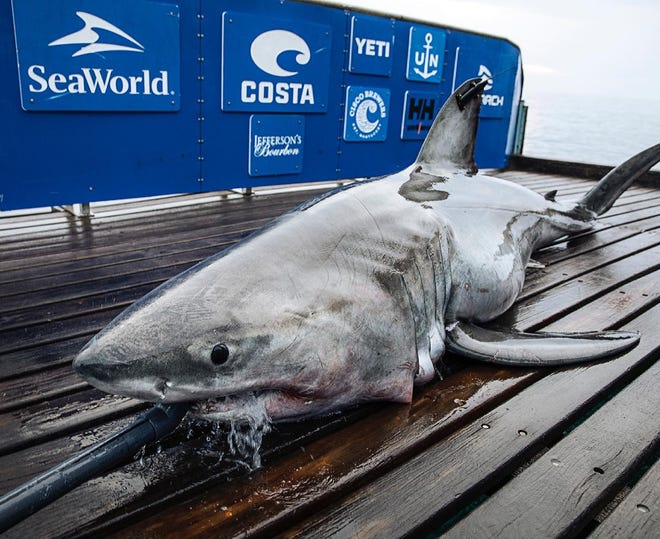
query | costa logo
(274,65)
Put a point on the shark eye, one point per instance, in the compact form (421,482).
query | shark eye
(220,354)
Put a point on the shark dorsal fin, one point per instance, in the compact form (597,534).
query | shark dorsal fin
(451,139)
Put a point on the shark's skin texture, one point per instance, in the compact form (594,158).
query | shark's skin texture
(353,296)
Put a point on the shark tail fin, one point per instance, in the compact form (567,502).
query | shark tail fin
(604,194)
(536,349)
(452,136)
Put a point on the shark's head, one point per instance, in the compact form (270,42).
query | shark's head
(208,338)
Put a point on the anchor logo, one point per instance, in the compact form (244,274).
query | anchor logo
(426,50)
(426,59)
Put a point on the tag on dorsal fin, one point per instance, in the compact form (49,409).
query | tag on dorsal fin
(550,195)
(450,141)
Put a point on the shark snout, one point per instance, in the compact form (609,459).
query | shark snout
(93,367)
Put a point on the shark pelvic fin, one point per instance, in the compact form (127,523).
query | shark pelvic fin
(536,349)
(604,194)
(452,136)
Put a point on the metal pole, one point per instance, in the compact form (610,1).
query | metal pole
(96,459)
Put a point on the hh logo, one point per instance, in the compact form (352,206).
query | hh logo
(274,65)
(74,71)
(426,52)
(420,109)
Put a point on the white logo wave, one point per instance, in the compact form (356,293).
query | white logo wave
(484,73)
(88,37)
(364,124)
(267,47)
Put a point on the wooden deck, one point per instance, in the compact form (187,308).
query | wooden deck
(487,451)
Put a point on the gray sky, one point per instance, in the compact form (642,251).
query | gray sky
(598,47)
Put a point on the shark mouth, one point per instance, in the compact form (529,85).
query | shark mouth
(255,407)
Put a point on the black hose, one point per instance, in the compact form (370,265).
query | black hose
(96,459)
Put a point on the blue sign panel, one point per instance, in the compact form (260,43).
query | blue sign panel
(419,111)
(367,113)
(491,64)
(372,45)
(274,65)
(276,144)
(97,55)
(426,52)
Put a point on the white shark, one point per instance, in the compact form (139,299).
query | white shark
(354,295)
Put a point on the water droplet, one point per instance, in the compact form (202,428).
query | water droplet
(555,462)
(485,426)
(599,470)
(643,508)
(522,433)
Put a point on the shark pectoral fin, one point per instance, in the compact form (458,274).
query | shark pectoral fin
(536,349)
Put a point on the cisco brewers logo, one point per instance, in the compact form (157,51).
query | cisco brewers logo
(96,63)
(367,111)
(274,65)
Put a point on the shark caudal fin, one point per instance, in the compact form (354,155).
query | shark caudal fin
(452,136)
(604,194)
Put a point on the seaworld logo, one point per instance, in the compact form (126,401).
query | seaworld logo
(93,80)
(88,37)
(105,55)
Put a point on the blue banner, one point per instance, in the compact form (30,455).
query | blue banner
(179,97)
(98,55)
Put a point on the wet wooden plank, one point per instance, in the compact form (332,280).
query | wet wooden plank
(37,423)
(102,230)
(583,264)
(295,481)
(638,515)
(562,491)
(429,489)
(20,392)
(577,292)
(319,469)
(32,362)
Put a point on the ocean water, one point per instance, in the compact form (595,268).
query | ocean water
(590,129)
